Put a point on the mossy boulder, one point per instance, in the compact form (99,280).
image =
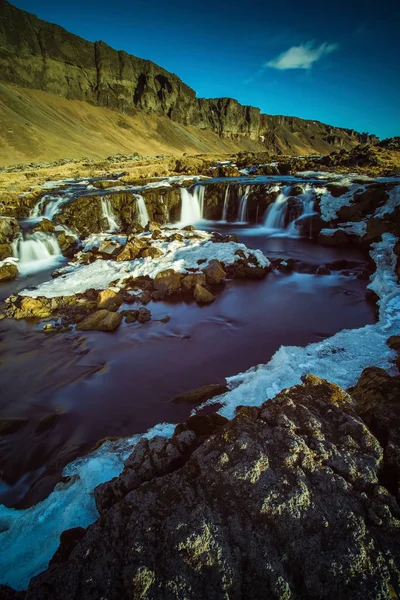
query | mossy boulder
(8,271)
(101,320)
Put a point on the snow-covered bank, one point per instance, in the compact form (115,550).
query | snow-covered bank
(178,255)
(29,538)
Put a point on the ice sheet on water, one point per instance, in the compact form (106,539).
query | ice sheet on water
(177,255)
(29,537)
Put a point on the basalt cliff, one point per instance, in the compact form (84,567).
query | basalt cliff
(41,63)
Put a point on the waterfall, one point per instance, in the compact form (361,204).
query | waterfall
(277,216)
(108,214)
(242,212)
(143,214)
(192,204)
(226,204)
(48,206)
(36,251)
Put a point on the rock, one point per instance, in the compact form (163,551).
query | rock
(214,272)
(338,238)
(132,249)
(101,320)
(5,251)
(202,296)
(322,270)
(108,248)
(152,226)
(68,540)
(168,282)
(45,225)
(9,229)
(190,281)
(130,315)
(201,394)
(287,500)
(109,300)
(230,238)
(8,271)
(144,315)
(165,319)
(32,308)
(394,342)
(67,243)
(152,253)
(188,228)
(254,272)
(9,426)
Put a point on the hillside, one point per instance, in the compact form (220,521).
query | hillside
(93,100)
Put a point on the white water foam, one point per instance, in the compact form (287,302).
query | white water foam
(36,251)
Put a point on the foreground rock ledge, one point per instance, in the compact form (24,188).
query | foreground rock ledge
(284,501)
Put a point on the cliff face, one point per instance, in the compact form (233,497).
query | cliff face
(39,55)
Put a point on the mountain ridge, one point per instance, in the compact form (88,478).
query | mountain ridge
(35,54)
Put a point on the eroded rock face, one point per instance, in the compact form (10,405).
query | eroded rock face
(284,501)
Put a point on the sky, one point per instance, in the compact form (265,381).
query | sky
(335,62)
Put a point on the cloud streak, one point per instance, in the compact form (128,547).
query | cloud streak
(301,57)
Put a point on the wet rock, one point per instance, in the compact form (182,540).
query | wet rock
(168,282)
(189,228)
(165,319)
(287,500)
(68,540)
(394,342)
(130,315)
(9,426)
(50,328)
(109,300)
(144,315)
(230,238)
(67,243)
(5,251)
(322,270)
(8,271)
(201,394)
(190,281)
(45,225)
(202,295)
(338,238)
(101,320)
(9,229)
(214,272)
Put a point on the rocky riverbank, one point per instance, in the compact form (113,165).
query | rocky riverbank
(319,469)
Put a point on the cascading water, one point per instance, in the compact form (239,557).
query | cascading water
(277,216)
(36,251)
(108,214)
(143,214)
(192,204)
(242,212)
(226,204)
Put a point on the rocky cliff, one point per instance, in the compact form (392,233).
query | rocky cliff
(295,499)
(38,55)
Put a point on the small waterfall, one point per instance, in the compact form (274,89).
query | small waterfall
(276,212)
(192,204)
(108,214)
(48,206)
(277,215)
(143,214)
(242,212)
(36,251)
(226,204)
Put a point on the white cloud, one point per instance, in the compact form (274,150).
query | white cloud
(301,57)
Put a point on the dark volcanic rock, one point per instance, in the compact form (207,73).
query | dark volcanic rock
(285,501)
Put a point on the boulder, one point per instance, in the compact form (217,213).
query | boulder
(109,300)
(152,226)
(8,270)
(33,308)
(132,249)
(152,253)
(168,282)
(101,320)
(109,248)
(338,238)
(5,251)
(143,315)
(202,296)
(190,281)
(45,225)
(130,315)
(322,270)
(214,272)
(201,394)
(67,243)
(9,229)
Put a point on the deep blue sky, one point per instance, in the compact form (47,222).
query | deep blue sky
(348,49)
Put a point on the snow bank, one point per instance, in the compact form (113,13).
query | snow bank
(340,359)
(177,255)
(392,202)
(29,538)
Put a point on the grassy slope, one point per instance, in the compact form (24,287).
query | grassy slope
(38,126)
